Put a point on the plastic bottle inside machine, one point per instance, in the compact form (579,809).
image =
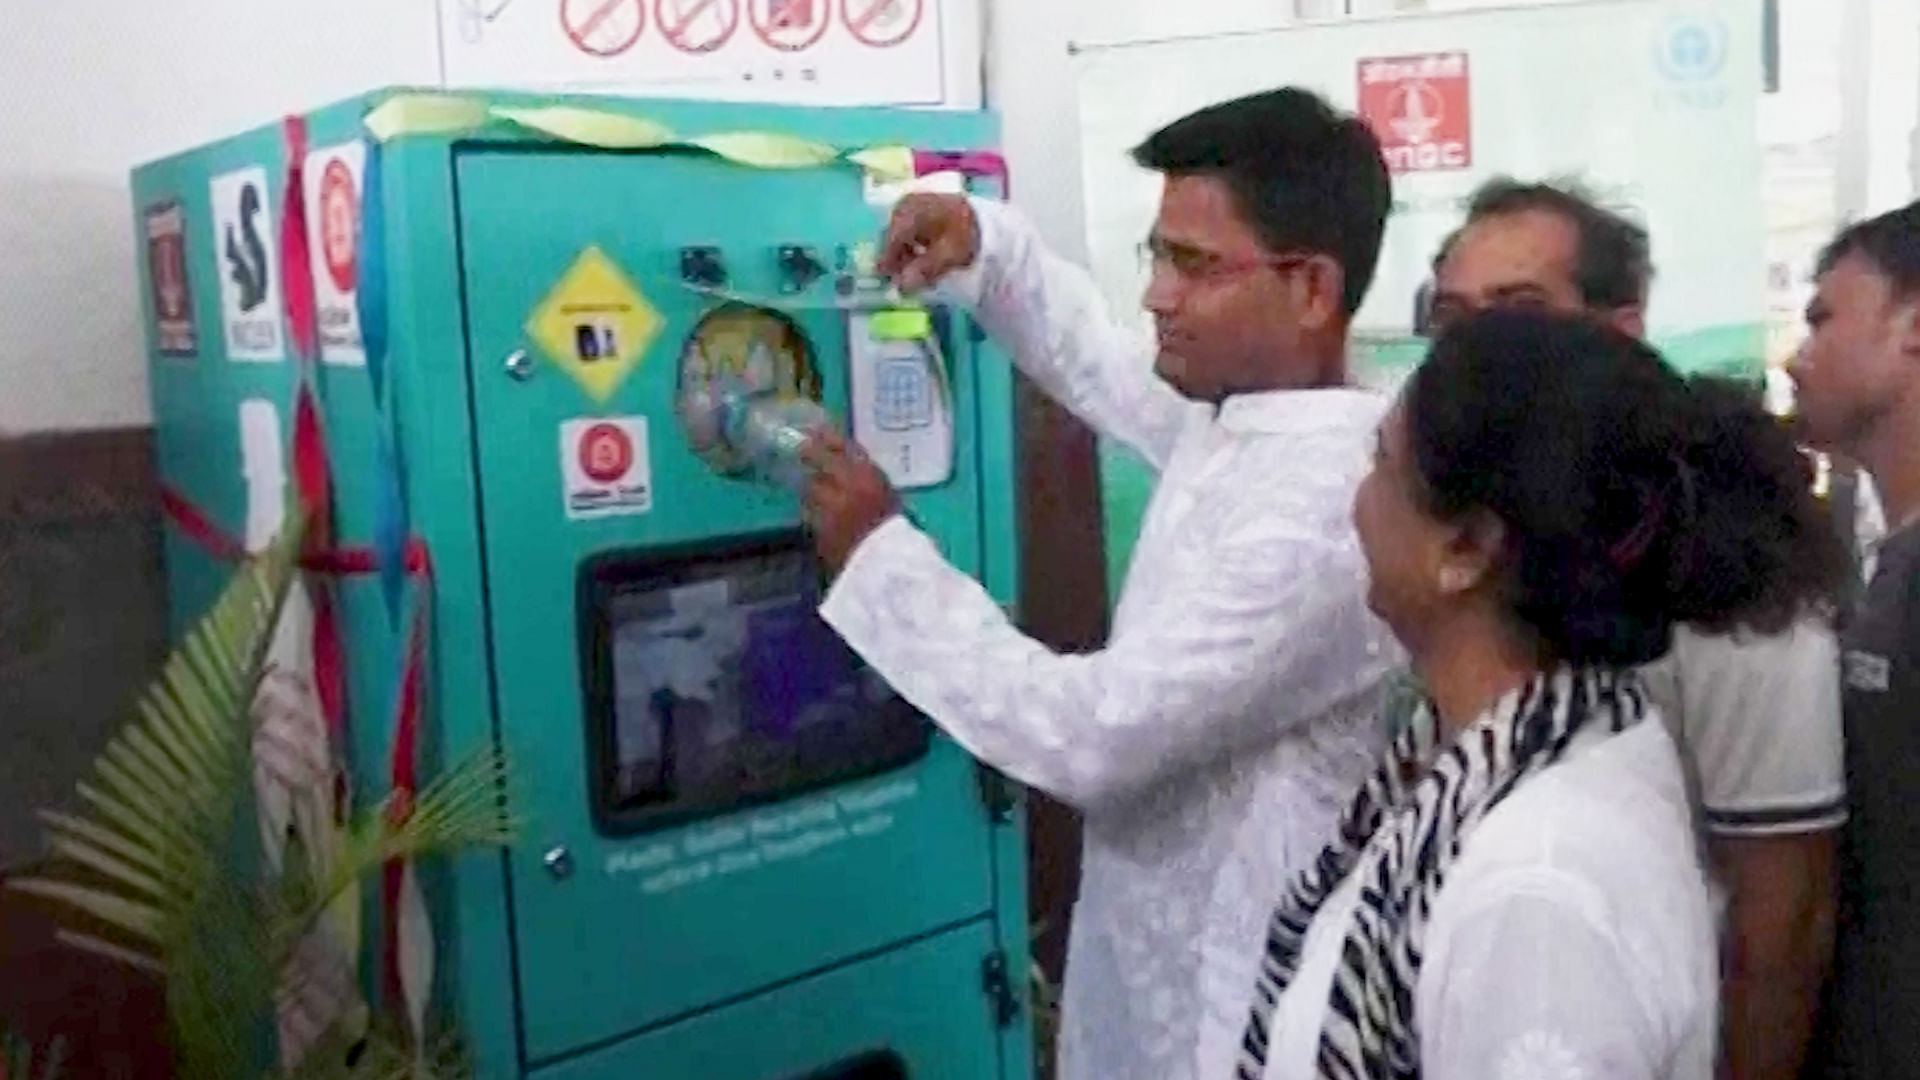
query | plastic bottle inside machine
(771,430)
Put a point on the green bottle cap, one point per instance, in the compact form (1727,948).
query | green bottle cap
(900,324)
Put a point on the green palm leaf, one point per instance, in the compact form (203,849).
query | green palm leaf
(108,950)
(121,873)
(384,1055)
(465,808)
(137,818)
(154,860)
(140,920)
(160,861)
(62,825)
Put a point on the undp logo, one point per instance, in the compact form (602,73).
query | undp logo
(1691,48)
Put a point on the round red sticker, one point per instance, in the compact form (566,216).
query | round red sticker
(340,224)
(606,453)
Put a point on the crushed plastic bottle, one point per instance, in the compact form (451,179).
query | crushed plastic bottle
(770,432)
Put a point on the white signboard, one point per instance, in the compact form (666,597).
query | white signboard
(811,52)
(333,191)
(1650,103)
(245,235)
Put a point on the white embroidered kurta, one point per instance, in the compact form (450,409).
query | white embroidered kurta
(1211,744)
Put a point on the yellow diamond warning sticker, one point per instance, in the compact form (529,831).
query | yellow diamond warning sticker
(595,324)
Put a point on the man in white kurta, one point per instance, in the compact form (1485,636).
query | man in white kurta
(1212,742)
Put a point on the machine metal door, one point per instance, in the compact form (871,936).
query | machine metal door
(625,923)
(924,997)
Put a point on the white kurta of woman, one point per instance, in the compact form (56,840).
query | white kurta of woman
(1211,744)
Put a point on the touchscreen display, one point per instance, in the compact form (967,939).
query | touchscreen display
(727,688)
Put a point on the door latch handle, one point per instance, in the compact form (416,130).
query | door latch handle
(519,365)
(559,863)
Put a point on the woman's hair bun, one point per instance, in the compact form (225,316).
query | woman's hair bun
(1634,499)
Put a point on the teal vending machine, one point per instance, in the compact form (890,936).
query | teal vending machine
(536,334)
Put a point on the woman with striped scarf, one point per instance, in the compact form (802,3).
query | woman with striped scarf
(1516,893)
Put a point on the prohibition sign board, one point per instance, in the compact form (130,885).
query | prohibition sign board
(697,26)
(882,23)
(790,25)
(603,28)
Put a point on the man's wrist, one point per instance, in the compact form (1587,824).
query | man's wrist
(967,284)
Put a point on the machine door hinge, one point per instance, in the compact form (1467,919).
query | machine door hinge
(997,983)
(1000,795)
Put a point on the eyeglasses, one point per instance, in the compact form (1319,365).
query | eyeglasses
(1194,264)
(1435,314)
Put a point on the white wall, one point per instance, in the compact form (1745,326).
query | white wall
(93,89)
(1030,79)
(1030,83)
(98,87)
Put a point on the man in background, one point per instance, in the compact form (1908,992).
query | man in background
(1757,717)
(1857,393)
(1212,742)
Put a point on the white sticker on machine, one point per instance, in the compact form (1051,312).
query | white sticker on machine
(604,464)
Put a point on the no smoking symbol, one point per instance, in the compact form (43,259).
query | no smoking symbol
(604,28)
(697,26)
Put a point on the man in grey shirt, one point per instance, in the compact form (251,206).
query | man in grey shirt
(1857,382)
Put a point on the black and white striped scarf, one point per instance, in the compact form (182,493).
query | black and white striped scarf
(1401,833)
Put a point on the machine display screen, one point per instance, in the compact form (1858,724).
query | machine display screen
(714,684)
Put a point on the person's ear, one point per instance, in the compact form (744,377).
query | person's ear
(1321,285)
(1472,554)
(1630,320)
(1907,327)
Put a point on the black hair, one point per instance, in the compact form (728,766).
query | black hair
(1306,177)
(1614,265)
(1891,242)
(1440,253)
(1633,499)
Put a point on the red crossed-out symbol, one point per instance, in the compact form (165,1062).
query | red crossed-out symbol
(790,25)
(697,26)
(604,28)
(882,23)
